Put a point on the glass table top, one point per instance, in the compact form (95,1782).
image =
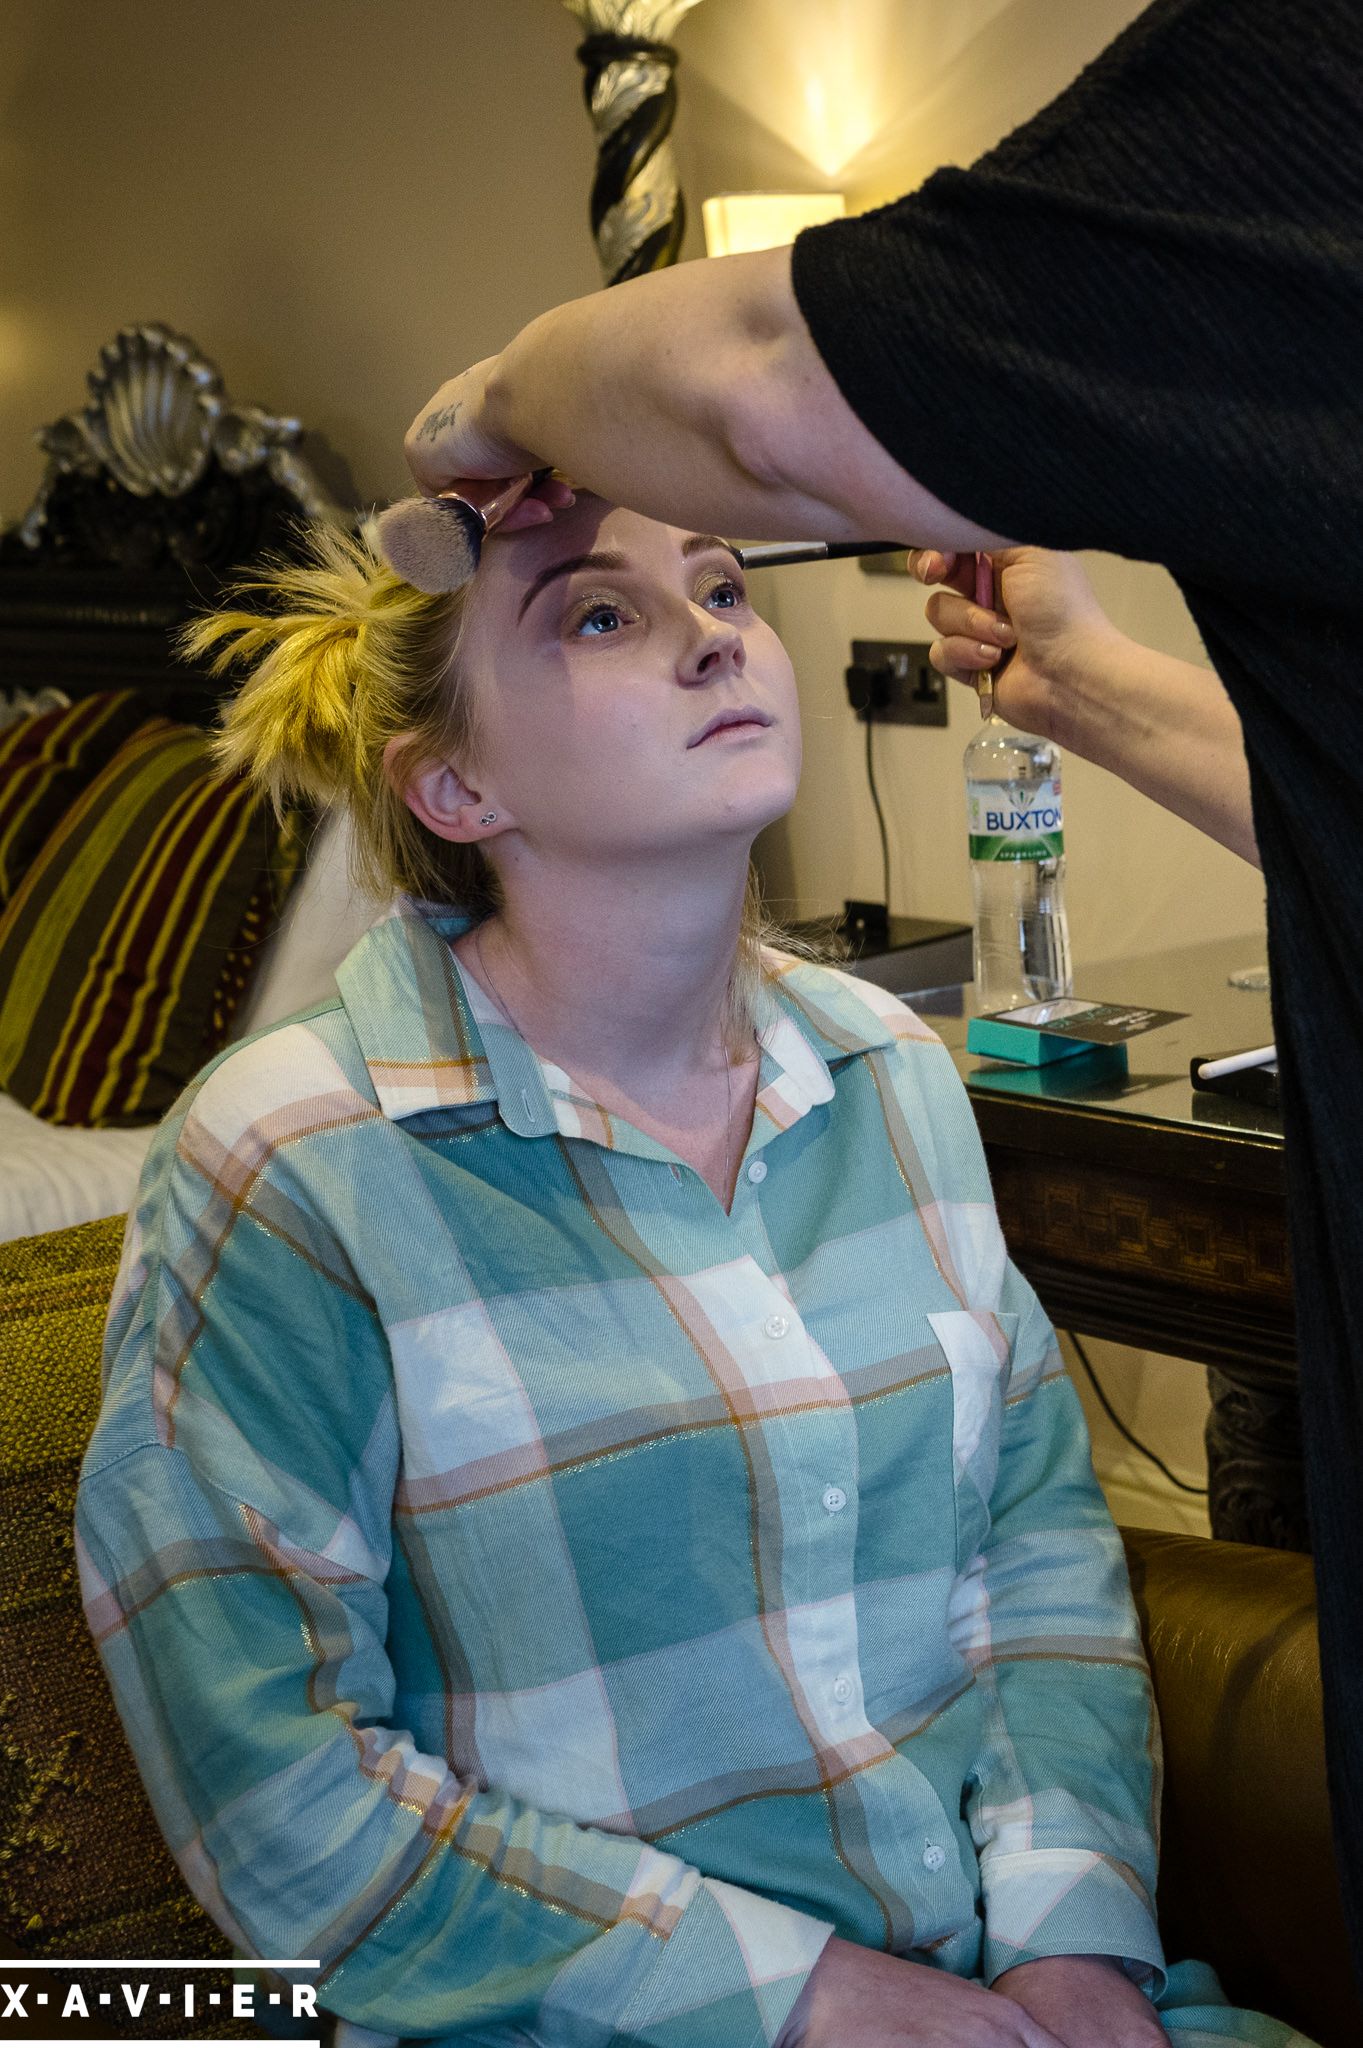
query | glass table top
(1157,1088)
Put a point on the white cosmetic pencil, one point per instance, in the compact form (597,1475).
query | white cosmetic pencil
(1236,1063)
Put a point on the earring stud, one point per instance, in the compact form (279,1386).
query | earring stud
(488,818)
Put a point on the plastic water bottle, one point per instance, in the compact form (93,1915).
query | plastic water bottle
(1017,867)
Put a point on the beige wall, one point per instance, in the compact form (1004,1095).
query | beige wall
(340,200)
(767,83)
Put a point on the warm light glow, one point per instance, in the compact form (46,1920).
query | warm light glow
(736,222)
(24,345)
(837,126)
(834,82)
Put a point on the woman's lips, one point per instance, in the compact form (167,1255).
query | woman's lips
(745,717)
(736,731)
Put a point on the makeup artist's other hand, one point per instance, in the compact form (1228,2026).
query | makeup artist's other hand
(1055,630)
(452,438)
(862,1998)
(1086,2001)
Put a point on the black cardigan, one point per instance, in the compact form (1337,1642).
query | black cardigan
(1137,325)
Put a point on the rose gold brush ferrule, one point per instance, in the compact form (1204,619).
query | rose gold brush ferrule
(487,500)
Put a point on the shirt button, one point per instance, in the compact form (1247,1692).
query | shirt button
(834,1500)
(757,1171)
(842,1692)
(934,1857)
(776,1326)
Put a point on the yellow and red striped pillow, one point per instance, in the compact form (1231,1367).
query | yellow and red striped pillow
(116,948)
(46,761)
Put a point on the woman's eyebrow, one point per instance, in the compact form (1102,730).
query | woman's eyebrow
(612,560)
(702,543)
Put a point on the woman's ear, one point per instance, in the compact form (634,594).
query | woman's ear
(435,792)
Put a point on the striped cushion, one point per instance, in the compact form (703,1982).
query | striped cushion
(120,951)
(45,763)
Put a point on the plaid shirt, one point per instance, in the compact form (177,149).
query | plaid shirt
(556,1604)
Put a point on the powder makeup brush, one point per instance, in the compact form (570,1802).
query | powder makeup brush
(435,544)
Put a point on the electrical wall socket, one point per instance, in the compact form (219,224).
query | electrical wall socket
(896,679)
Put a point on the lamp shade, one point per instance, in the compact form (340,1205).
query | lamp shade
(736,222)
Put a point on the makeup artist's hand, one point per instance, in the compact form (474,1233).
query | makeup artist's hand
(1165,726)
(452,439)
(1055,629)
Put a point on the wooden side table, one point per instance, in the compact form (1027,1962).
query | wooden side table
(1154,1214)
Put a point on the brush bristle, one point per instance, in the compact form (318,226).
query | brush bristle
(433,543)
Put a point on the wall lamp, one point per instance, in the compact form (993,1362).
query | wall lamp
(738,222)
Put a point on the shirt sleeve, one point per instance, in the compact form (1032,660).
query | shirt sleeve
(1063,1796)
(1064,1804)
(1128,326)
(233,1550)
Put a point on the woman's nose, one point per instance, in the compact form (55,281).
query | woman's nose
(716,649)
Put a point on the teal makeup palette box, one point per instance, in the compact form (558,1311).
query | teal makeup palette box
(1038,1033)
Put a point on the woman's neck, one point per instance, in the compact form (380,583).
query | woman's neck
(621,973)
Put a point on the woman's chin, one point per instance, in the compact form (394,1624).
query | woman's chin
(772,799)
(742,820)
(759,784)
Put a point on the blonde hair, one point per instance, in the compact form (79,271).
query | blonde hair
(345,656)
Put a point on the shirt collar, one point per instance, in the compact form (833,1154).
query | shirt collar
(432,1039)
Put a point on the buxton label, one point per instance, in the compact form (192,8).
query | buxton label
(1007,823)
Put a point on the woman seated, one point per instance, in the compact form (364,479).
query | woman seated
(590,1537)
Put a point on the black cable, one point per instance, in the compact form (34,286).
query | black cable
(875,799)
(1121,1427)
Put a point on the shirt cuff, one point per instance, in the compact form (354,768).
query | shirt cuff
(1068,1902)
(731,1970)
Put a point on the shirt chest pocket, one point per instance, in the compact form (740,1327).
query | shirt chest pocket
(977,1345)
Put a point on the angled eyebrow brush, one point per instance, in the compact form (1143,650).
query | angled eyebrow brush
(774,554)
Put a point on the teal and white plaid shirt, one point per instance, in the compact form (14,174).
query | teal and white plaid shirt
(555,1603)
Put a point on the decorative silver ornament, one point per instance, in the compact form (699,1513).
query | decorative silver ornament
(154,403)
(158,412)
(638,215)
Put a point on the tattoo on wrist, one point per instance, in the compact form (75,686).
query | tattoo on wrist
(435,423)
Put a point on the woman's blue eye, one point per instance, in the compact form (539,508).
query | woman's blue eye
(602,618)
(598,612)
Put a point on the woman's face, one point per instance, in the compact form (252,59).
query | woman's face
(601,650)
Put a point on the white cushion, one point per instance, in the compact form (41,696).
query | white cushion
(323,919)
(52,1175)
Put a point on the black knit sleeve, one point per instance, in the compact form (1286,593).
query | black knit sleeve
(1137,324)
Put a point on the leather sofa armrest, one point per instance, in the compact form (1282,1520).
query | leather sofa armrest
(1247,1873)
